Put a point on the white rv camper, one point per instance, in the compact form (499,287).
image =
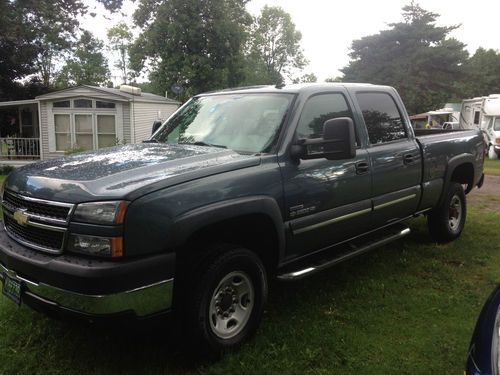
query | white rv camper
(483,113)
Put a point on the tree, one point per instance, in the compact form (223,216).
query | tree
(306,78)
(120,39)
(415,56)
(196,44)
(334,79)
(482,74)
(33,34)
(276,43)
(88,66)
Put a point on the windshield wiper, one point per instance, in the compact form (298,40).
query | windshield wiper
(201,143)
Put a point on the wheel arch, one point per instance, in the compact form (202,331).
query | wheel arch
(460,169)
(252,222)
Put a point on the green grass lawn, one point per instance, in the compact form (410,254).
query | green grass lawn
(407,308)
(492,167)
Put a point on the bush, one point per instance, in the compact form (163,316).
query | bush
(5,169)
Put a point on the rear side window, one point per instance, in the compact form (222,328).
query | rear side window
(382,118)
(317,110)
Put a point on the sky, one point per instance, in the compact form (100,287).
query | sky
(328,27)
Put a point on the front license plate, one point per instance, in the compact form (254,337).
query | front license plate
(12,289)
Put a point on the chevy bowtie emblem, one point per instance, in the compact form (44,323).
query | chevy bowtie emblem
(21,217)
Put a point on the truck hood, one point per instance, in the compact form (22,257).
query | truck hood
(122,172)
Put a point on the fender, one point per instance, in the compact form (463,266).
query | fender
(192,221)
(453,163)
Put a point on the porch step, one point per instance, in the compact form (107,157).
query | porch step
(330,257)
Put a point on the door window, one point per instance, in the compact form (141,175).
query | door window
(319,109)
(497,124)
(382,117)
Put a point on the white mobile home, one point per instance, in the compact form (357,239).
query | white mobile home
(484,113)
(82,118)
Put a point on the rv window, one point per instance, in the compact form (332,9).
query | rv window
(476,117)
(497,124)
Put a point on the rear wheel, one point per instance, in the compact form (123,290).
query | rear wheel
(227,301)
(447,221)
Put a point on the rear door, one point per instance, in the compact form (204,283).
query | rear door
(395,157)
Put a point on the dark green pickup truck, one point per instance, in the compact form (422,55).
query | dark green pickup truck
(236,187)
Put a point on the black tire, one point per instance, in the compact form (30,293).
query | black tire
(447,221)
(217,292)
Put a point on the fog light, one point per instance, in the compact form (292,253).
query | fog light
(93,245)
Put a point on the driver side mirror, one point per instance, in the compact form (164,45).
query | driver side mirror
(338,142)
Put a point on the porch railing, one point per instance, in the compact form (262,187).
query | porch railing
(19,148)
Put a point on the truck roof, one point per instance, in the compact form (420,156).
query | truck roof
(295,88)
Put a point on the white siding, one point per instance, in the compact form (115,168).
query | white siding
(47,125)
(126,123)
(144,114)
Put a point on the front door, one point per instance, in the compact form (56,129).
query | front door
(326,201)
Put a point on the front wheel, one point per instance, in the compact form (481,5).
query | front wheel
(447,221)
(227,302)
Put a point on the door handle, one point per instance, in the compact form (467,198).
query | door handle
(362,167)
(408,159)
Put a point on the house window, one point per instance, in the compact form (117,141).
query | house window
(106,133)
(101,104)
(83,132)
(62,130)
(83,103)
(62,104)
(84,124)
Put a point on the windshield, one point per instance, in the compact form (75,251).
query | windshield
(497,124)
(246,123)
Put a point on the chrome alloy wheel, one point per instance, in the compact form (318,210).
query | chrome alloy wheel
(455,213)
(231,305)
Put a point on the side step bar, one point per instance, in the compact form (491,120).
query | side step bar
(354,248)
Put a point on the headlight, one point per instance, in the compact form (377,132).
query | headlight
(101,212)
(94,245)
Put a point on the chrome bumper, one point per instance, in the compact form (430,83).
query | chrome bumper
(142,301)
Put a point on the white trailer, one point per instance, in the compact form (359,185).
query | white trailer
(483,113)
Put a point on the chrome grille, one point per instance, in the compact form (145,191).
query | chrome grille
(51,211)
(44,223)
(38,238)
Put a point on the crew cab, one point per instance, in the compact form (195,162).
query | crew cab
(236,187)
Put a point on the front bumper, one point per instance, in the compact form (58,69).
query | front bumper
(142,301)
(88,287)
